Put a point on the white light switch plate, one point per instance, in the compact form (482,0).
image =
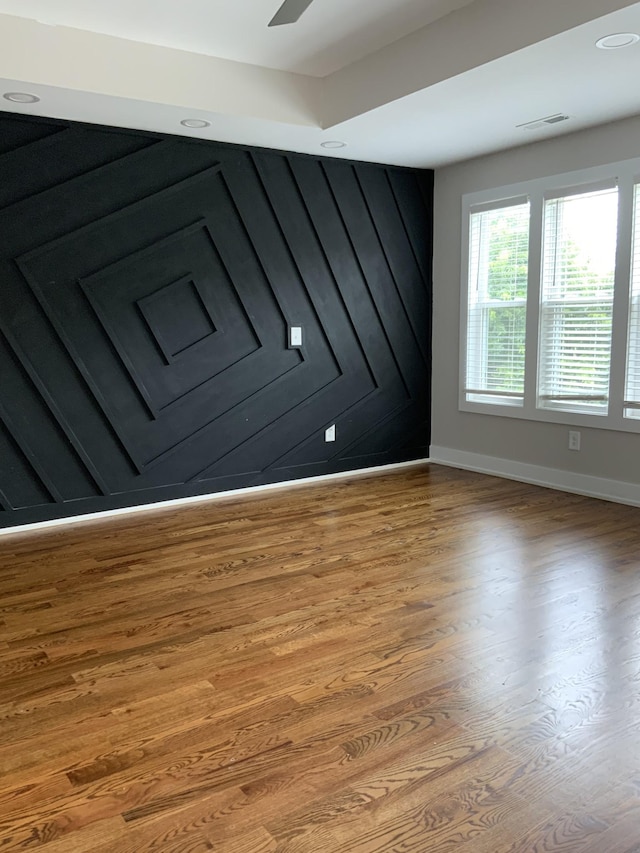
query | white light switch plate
(295,336)
(330,433)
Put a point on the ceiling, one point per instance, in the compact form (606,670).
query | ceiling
(331,34)
(419,83)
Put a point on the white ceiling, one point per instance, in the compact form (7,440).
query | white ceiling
(330,35)
(413,82)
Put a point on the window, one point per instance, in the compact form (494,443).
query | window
(551,299)
(632,392)
(498,264)
(578,266)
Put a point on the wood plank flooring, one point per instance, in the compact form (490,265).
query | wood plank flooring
(407,663)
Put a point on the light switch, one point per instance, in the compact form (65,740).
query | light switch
(295,336)
(330,433)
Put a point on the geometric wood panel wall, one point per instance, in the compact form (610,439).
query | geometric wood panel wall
(146,287)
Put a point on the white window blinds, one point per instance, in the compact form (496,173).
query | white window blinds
(578,267)
(632,391)
(497,296)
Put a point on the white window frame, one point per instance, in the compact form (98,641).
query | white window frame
(632,407)
(625,174)
(504,398)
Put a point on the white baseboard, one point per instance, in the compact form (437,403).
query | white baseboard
(552,478)
(178,502)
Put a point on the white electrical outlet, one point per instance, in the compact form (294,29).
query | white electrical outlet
(295,336)
(574,440)
(330,433)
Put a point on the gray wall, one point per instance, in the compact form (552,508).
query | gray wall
(605,453)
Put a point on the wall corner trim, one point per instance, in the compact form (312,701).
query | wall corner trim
(216,496)
(551,478)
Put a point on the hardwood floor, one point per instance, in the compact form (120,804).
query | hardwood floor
(413,662)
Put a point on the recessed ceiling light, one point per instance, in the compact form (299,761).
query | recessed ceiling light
(21,97)
(195,122)
(617,40)
(333,143)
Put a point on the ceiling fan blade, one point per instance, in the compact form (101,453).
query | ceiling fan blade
(289,12)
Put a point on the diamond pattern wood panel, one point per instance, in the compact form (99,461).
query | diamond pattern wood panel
(146,288)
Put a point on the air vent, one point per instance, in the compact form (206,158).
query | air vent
(542,122)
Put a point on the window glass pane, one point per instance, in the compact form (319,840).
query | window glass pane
(632,392)
(578,269)
(497,293)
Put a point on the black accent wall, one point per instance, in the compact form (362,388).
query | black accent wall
(146,287)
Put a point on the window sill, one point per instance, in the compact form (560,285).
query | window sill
(550,416)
